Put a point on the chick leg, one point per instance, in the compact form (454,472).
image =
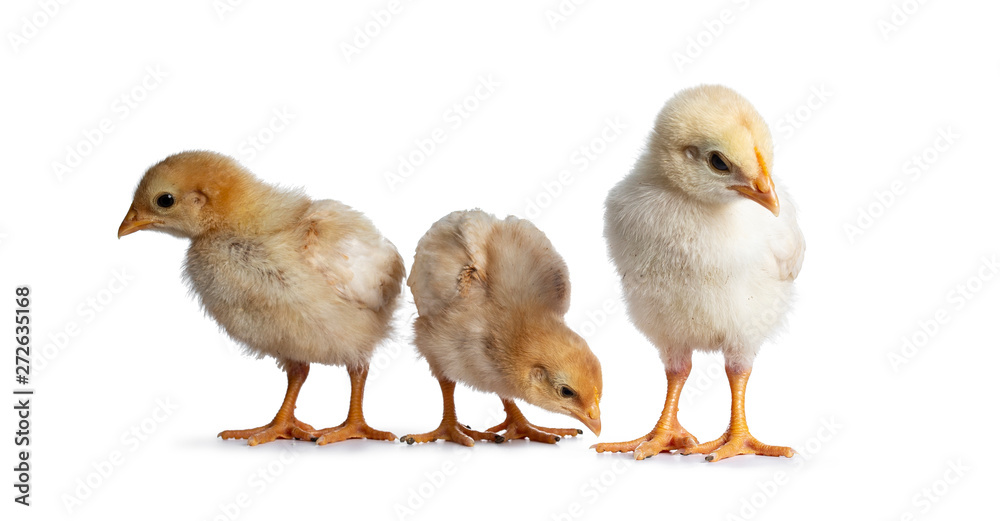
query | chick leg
(668,434)
(737,439)
(284,426)
(354,426)
(517,427)
(450,429)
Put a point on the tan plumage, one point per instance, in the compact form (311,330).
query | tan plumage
(299,280)
(491,295)
(702,265)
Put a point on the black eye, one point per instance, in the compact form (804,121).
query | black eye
(717,163)
(566,392)
(165,201)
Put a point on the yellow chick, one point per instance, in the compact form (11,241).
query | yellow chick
(299,280)
(706,255)
(491,296)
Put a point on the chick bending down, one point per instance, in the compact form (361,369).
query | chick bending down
(491,296)
(706,260)
(299,280)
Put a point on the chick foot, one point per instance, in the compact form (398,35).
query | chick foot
(351,431)
(660,439)
(284,426)
(737,443)
(516,427)
(355,426)
(450,429)
(278,429)
(668,434)
(737,439)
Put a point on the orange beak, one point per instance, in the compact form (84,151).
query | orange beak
(132,223)
(591,418)
(761,188)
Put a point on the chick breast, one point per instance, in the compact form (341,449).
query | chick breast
(320,290)
(695,279)
(470,268)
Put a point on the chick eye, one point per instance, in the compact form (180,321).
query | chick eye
(717,162)
(165,201)
(566,392)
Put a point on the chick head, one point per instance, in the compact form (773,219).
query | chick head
(186,194)
(711,143)
(561,373)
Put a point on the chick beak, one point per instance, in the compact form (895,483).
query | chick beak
(761,191)
(132,223)
(761,188)
(591,418)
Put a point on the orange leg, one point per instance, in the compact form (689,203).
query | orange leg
(354,426)
(668,434)
(516,427)
(737,439)
(450,429)
(284,426)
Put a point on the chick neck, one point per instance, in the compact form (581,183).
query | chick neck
(253,208)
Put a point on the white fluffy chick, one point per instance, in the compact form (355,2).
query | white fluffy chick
(299,280)
(491,295)
(706,259)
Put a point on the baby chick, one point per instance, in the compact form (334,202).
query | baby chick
(702,266)
(491,296)
(299,280)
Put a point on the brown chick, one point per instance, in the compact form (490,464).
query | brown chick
(491,296)
(299,280)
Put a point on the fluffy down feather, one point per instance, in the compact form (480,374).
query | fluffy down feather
(491,295)
(701,267)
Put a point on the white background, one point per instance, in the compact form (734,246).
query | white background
(872,436)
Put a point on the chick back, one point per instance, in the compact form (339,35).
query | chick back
(320,288)
(470,271)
